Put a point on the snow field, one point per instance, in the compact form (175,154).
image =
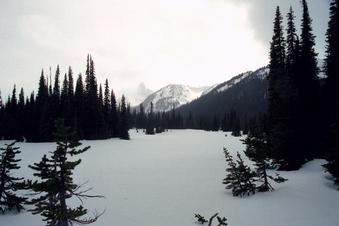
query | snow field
(163,180)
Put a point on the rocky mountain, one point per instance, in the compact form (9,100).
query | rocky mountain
(246,93)
(172,96)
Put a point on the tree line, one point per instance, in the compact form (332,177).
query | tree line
(162,121)
(90,109)
(302,122)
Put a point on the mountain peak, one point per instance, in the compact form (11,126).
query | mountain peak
(172,96)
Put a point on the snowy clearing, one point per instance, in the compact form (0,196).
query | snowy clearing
(163,180)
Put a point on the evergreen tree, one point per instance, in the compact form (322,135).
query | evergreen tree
(150,122)
(283,100)
(114,115)
(141,118)
(92,128)
(21,116)
(123,128)
(257,150)
(56,186)
(215,124)
(308,87)
(70,90)
(55,107)
(240,177)
(79,103)
(56,87)
(8,183)
(332,95)
(42,110)
(232,123)
(276,86)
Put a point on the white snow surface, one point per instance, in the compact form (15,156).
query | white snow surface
(172,96)
(163,180)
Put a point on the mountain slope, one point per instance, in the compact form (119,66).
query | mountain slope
(245,93)
(172,96)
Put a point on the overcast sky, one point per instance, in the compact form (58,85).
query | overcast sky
(157,42)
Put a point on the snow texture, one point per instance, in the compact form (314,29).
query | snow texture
(163,180)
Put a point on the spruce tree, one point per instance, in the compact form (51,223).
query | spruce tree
(114,115)
(282,136)
(332,94)
(257,150)
(70,90)
(42,118)
(9,184)
(56,186)
(123,126)
(150,122)
(239,178)
(308,87)
(276,85)
(79,104)
(141,118)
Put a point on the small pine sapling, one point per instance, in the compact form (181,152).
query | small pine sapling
(8,183)
(55,185)
(257,151)
(240,177)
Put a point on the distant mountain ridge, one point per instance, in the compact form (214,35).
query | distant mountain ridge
(172,96)
(249,87)
(246,93)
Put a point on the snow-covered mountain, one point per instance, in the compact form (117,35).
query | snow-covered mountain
(173,95)
(246,93)
(261,73)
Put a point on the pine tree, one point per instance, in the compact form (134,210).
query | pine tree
(56,186)
(123,128)
(282,136)
(141,118)
(56,87)
(42,119)
(240,177)
(215,124)
(92,122)
(21,116)
(79,104)
(8,183)
(114,115)
(150,122)
(257,150)
(232,123)
(308,87)
(276,86)
(70,90)
(332,95)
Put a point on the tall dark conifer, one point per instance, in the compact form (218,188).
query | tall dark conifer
(114,115)
(150,122)
(332,93)
(280,133)
(79,104)
(308,87)
(42,110)
(123,119)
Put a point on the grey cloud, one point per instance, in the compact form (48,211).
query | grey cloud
(262,15)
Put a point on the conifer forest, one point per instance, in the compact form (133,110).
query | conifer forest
(220,112)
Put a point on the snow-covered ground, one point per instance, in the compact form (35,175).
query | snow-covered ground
(163,180)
